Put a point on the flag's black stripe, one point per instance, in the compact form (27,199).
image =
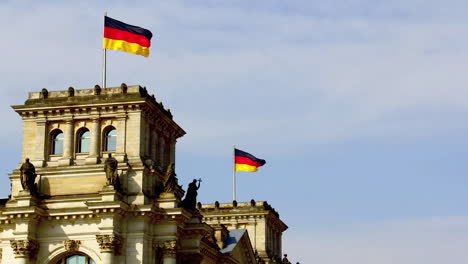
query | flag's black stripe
(110,22)
(241,153)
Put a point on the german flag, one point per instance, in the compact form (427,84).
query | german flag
(247,162)
(125,37)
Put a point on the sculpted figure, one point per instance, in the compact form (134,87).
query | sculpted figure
(171,183)
(28,176)
(190,200)
(110,166)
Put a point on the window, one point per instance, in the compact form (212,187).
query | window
(76,259)
(83,141)
(57,142)
(110,139)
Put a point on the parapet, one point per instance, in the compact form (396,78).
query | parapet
(240,209)
(73,96)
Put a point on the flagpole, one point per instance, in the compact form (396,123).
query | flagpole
(234,173)
(104,60)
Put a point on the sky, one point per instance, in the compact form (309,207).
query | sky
(359,108)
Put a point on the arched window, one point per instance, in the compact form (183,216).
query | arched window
(83,141)
(110,139)
(56,142)
(76,259)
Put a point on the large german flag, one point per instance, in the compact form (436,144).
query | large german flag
(247,162)
(125,37)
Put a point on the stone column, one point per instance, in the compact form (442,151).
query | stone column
(41,137)
(94,142)
(67,144)
(24,250)
(109,245)
(120,151)
(169,251)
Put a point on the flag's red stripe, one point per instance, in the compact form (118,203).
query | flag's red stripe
(113,33)
(244,160)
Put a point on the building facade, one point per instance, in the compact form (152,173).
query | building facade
(97,184)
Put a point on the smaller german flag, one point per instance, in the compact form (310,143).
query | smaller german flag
(247,162)
(125,37)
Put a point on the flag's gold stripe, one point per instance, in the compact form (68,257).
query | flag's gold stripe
(123,45)
(246,167)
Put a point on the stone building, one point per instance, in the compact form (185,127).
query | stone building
(97,185)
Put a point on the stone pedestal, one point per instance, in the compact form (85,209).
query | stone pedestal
(65,161)
(25,199)
(168,200)
(91,160)
(109,194)
(120,157)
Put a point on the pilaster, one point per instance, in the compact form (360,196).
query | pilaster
(24,250)
(169,250)
(109,246)
(94,142)
(120,152)
(41,137)
(67,144)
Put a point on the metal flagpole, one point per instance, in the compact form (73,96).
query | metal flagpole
(234,173)
(104,58)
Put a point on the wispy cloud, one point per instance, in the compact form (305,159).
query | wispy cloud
(273,75)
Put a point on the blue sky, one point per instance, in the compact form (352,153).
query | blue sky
(359,108)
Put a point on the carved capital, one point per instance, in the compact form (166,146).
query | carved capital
(71,245)
(109,243)
(26,247)
(168,247)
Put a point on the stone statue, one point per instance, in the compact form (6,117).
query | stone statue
(190,200)
(110,166)
(171,182)
(28,176)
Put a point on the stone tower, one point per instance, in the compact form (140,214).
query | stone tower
(97,185)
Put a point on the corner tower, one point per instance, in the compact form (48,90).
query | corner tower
(75,130)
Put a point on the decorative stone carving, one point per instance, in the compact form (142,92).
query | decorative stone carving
(171,183)
(252,203)
(44,93)
(71,91)
(28,176)
(26,247)
(97,90)
(168,247)
(109,243)
(110,166)
(143,91)
(71,245)
(190,200)
(124,88)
